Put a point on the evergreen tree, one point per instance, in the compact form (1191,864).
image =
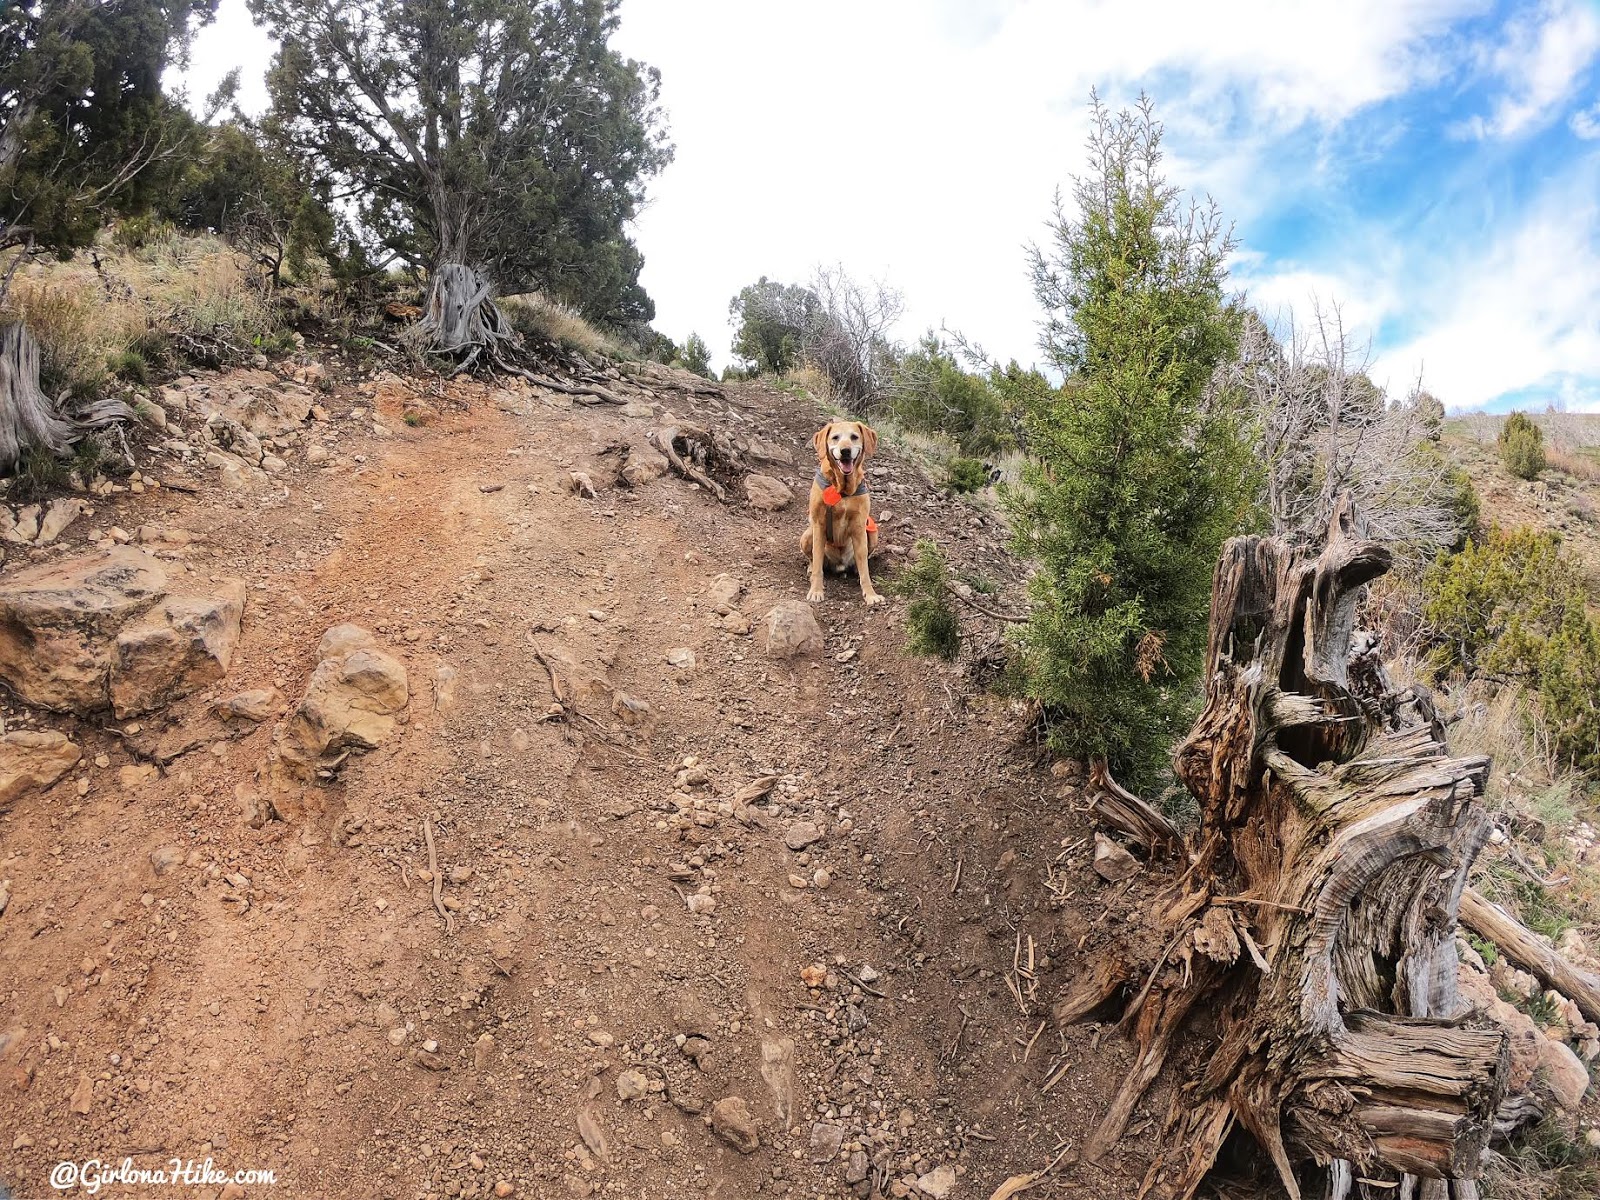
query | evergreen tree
(1138,469)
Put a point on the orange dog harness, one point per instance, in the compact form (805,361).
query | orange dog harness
(831,496)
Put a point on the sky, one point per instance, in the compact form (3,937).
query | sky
(1430,167)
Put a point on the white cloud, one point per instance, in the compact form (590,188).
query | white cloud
(1519,314)
(1585,123)
(1539,59)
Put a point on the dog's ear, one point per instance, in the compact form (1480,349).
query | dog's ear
(869,439)
(821,442)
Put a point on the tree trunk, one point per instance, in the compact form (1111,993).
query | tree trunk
(1315,917)
(27,417)
(462,322)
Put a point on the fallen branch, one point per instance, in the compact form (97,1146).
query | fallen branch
(662,439)
(1523,947)
(1009,618)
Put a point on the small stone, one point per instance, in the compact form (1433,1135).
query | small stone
(164,858)
(766,493)
(601,1038)
(814,976)
(631,1085)
(731,1121)
(798,882)
(1592,1137)
(520,740)
(504,1188)
(83,1095)
(826,1138)
(801,834)
(792,630)
(681,657)
(1111,862)
(938,1183)
(316,454)
(483,1051)
(856,1170)
(700,903)
(821,879)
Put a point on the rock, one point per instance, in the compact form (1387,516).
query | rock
(792,630)
(766,493)
(778,1073)
(681,657)
(938,1183)
(771,452)
(165,538)
(1526,1056)
(316,454)
(1564,1073)
(182,644)
(82,1095)
(258,704)
(230,437)
(21,527)
(57,517)
(856,1170)
(631,1085)
(724,592)
(737,624)
(637,409)
(731,1121)
(352,701)
(164,858)
(826,1139)
(31,761)
(504,1188)
(644,463)
(1111,862)
(264,407)
(483,1052)
(135,775)
(84,633)
(801,834)
(593,1134)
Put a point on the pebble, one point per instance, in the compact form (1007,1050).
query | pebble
(631,1085)
(505,1188)
(822,878)
(801,834)
(681,657)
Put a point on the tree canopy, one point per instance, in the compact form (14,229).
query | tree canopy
(84,127)
(502,136)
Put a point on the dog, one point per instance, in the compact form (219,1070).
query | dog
(841,532)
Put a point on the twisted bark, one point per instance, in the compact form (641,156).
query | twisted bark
(1316,914)
(28,418)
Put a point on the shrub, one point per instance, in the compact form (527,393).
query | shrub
(967,474)
(772,322)
(696,356)
(1512,607)
(1521,445)
(537,316)
(129,365)
(933,394)
(932,628)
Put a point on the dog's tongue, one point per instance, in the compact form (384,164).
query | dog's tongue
(847,467)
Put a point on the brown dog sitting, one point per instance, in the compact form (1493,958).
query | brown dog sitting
(842,532)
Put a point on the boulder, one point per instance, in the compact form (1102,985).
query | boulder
(766,493)
(32,761)
(59,625)
(351,703)
(1564,1074)
(20,527)
(178,646)
(792,630)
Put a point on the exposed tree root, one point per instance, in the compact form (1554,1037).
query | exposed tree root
(1314,916)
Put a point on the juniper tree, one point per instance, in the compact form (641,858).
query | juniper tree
(1138,470)
(500,145)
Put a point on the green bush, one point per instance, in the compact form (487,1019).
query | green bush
(1521,445)
(967,474)
(129,365)
(772,321)
(932,628)
(1512,606)
(933,394)
(146,229)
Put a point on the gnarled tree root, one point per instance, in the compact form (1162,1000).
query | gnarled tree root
(27,416)
(1315,915)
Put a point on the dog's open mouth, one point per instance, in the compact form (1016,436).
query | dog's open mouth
(847,465)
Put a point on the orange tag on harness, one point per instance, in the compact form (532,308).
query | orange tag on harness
(872,526)
(831,496)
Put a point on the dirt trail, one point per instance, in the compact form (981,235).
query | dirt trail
(332,1030)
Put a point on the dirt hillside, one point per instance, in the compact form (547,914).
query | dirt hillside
(836,892)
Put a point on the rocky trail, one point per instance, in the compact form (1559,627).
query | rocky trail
(570,870)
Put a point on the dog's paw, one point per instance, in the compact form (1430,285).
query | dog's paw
(873,599)
(816,595)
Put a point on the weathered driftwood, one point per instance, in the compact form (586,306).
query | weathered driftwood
(28,418)
(1314,919)
(695,451)
(1523,947)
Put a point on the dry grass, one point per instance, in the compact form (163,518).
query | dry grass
(533,314)
(84,318)
(1574,462)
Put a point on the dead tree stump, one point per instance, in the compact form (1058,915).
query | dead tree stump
(1314,919)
